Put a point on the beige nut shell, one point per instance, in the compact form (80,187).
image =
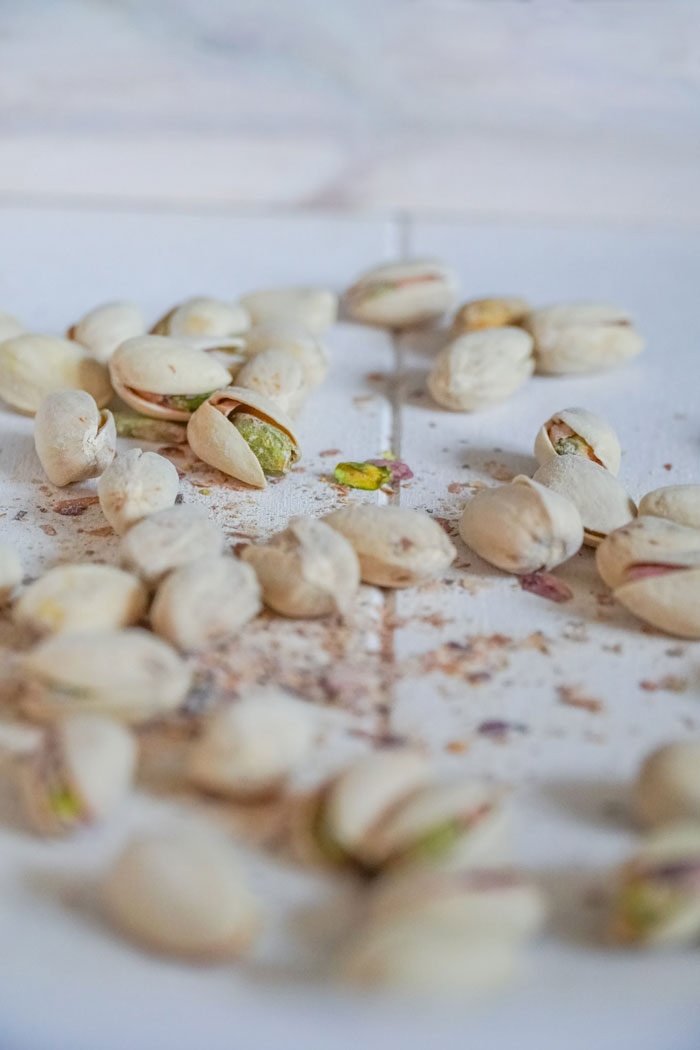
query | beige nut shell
(10,572)
(602,502)
(492,312)
(32,366)
(307,350)
(136,484)
(74,439)
(9,326)
(105,327)
(595,431)
(582,337)
(203,316)
(400,294)
(80,598)
(168,539)
(667,787)
(481,368)
(313,308)
(679,503)
(277,375)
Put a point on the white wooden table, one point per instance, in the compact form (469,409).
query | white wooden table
(66,983)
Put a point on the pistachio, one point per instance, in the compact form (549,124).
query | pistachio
(9,326)
(667,787)
(602,502)
(103,329)
(578,432)
(679,503)
(657,898)
(182,893)
(74,440)
(480,369)
(499,312)
(521,527)
(244,434)
(367,476)
(278,376)
(306,349)
(69,599)
(80,774)
(400,294)
(203,316)
(653,567)
(308,569)
(314,309)
(127,674)
(205,602)
(249,749)
(579,338)
(168,539)
(163,377)
(143,428)
(135,485)
(32,366)
(10,572)
(396,546)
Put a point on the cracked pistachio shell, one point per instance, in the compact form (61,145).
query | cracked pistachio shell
(10,572)
(308,569)
(32,366)
(481,368)
(493,312)
(168,539)
(657,897)
(248,749)
(679,503)
(130,675)
(521,527)
(602,502)
(396,546)
(80,774)
(9,326)
(214,438)
(70,599)
(307,350)
(667,787)
(278,376)
(314,309)
(135,485)
(205,602)
(578,432)
(579,338)
(653,568)
(74,439)
(400,294)
(103,329)
(168,370)
(182,893)
(204,316)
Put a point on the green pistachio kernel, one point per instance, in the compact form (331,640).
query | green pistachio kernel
(64,804)
(438,842)
(362,475)
(572,446)
(324,840)
(642,907)
(133,425)
(274,450)
(187,402)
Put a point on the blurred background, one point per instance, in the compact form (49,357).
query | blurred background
(577,109)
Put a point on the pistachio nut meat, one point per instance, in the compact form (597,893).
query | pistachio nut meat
(135,485)
(667,786)
(308,351)
(204,316)
(522,527)
(74,439)
(479,369)
(492,312)
(10,572)
(277,375)
(602,501)
(164,377)
(578,432)
(401,294)
(168,539)
(80,774)
(244,434)
(582,337)
(105,327)
(9,326)
(314,309)
(679,503)
(653,568)
(80,598)
(32,366)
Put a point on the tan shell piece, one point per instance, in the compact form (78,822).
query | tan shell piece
(602,441)
(521,527)
(481,368)
(307,350)
(32,366)
(315,309)
(667,787)
(204,316)
(493,312)
(168,539)
(105,327)
(396,546)
(9,326)
(679,503)
(74,439)
(10,572)
(136,484)
(215,440)
(277,375)
(70,599)
(602,502)
(582,337)
(400,294)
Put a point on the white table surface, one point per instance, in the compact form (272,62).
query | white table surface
(66,983)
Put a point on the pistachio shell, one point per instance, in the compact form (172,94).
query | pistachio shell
(80,774)
(315,309)
(9,326)
(308,569)
(307,350)
(74,440)
(521,527)
(182,894)
(215,440)
(480,369)
(578,338)
(135,485)
(400,294)
(205,602)
(667,787)
(164,368)
(396,546)
(32,366)
(168,539)
(679,503)
(600,498)
(204,316)
(248,749)
(69,599)
(127,674)
(278,376)
(498,312)
(10,572)
(599,442)
(105,327)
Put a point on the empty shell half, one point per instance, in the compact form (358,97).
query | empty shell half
(105,327)
(74,439)
(135,485)
(480,369)
(584,337)
(578,432)
(32,366)
(69,599)
(602,502)
(204,316)
(277,375)
(168,539)
(315,309)
(307,350)
(679,503)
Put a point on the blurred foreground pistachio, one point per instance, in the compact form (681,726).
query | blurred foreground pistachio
(203,316)
(481,368)
(667,787)
(168,539)
(105,327)
(499,312)
(314,309)
(82,598)
(578,432)
(9,326)
(277,375)
(602,502)
(362,475)
(579,338)
(307,350)
(135,485)
(679,503)
(143,428)
(400,294)
(74,439)
(32,366)
(10,572)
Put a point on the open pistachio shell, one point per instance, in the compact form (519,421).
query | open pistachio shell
(80,598)
(74,439)
(493,312)
(307,350)
(32,366)
(103,329)
(578,432)
(135,485)
(277,375)
(667,787)
(214,438)
(602,502)
(10,572)
(168,539)
(315,309)
(163,377)
(400,294)
(582,337)
(204,316)
(479,369)
(679,503)
(9,326)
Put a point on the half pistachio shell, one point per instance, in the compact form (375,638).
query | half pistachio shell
(667,787)
(277,375)
(9,326)
(679,503)
(582,337)
(70,599)
(32,366)
(204,316)
(74,439)
(10,572)
(105,327)
(307,350)
(493,312)
(481,368)
(602,502)
(168,539)
(400,294)
(135,485)
(314,309)
(578,432)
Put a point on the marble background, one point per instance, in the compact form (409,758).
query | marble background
(500,108)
